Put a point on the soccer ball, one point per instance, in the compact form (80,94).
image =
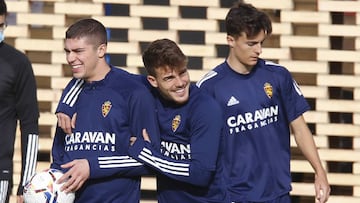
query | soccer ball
(42,188)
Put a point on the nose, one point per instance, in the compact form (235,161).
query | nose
(179,82)
(258,48)
(70,57)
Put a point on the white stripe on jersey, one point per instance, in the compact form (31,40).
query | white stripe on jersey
(206,77)
(164,165)
(31,157)
(71,96)
(117,162)
(4,185)
(297,88)
(271,63)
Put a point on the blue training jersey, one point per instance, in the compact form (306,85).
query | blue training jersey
(258,109)
(189,163)
(108,113)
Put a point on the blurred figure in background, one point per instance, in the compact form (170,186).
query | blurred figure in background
(18,102)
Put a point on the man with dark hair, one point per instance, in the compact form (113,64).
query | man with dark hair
(18,102)
(188,165)
(260,100)
(110,107)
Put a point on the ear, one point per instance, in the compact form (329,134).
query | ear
(230,40)
(152,80)
(102,50)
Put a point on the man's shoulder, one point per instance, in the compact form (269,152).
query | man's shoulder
(11,53)
(213,76)
(128,83)
(200,99)
(121,72)
(273,67)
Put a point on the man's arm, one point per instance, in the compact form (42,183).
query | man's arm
(65,122)
(141,115)
(67,105)
(205,142)
(57,149)
(28,113)
(306,144)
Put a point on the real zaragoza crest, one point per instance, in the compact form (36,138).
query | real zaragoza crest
(175,123)
(268,90)
(105,108)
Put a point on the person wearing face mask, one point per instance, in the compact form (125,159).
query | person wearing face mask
(18,102)
(2,28)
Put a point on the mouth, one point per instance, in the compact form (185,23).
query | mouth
(75,66)
(180,92)
(181,95)
(255,59)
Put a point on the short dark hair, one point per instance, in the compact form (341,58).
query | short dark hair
(163,52)
(3,8)
(243,17)
(89,28)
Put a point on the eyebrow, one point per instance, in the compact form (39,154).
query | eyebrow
(74,50)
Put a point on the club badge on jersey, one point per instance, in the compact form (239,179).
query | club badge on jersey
(105,108)
(175,123)
(268,90)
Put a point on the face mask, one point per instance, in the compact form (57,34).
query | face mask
(2,37)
